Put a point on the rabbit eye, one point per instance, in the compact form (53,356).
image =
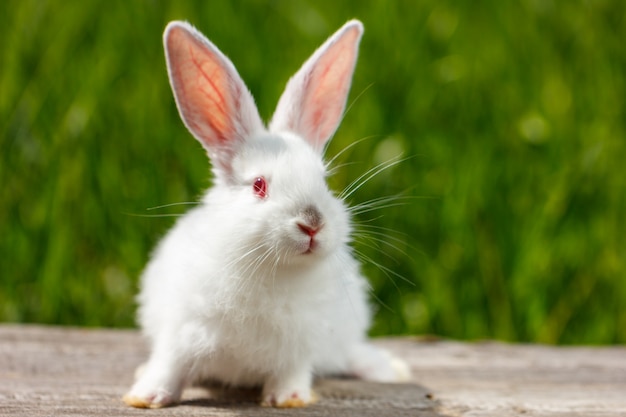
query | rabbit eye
(260,187)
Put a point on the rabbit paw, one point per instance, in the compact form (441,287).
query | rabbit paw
(152,392)
(289,390)
(289,399)
(373,364)
(152,399)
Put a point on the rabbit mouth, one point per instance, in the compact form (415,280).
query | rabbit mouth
(312,246)
(309,230)
(305,246)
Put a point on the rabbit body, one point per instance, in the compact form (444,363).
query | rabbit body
(257,285)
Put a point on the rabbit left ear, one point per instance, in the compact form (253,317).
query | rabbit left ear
(315,98)
(213,101)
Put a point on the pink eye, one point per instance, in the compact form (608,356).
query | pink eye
(260,187)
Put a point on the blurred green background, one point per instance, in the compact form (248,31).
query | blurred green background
(513,114)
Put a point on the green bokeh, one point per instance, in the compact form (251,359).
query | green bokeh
(512,115)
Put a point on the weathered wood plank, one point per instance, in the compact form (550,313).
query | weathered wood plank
(70,372)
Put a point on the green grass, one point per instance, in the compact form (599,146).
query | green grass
(513,114)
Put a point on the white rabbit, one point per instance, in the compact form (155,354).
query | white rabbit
(257,285)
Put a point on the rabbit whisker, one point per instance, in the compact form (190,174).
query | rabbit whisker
(364,258)
(387,271)
(383,235)
(348,147)
(389,234)
(182,203)
(356,99)
(368,175)
(153,215)
(380,203)
(248,261)
(350,107)
(375,243)
(163,206)
(333,170)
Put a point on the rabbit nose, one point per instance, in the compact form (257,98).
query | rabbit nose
(311,221)
(308,230)
(312,216)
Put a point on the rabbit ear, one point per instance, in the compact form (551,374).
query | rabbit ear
(212,100)
(314,100)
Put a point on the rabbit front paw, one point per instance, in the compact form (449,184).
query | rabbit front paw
(154,389)
(290,390)
(289,399)
(156,398)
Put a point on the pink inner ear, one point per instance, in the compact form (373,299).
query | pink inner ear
(326,91)
(208,94)
(205,93)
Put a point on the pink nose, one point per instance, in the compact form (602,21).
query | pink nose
(308,230)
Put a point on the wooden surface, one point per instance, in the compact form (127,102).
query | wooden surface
(53,371)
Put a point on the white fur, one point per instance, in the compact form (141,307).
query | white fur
(235,292)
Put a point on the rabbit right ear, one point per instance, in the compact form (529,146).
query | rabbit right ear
(211,97)
(314,100)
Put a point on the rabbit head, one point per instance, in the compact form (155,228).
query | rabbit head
(269,183)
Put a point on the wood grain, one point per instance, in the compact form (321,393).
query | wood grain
(84,372)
